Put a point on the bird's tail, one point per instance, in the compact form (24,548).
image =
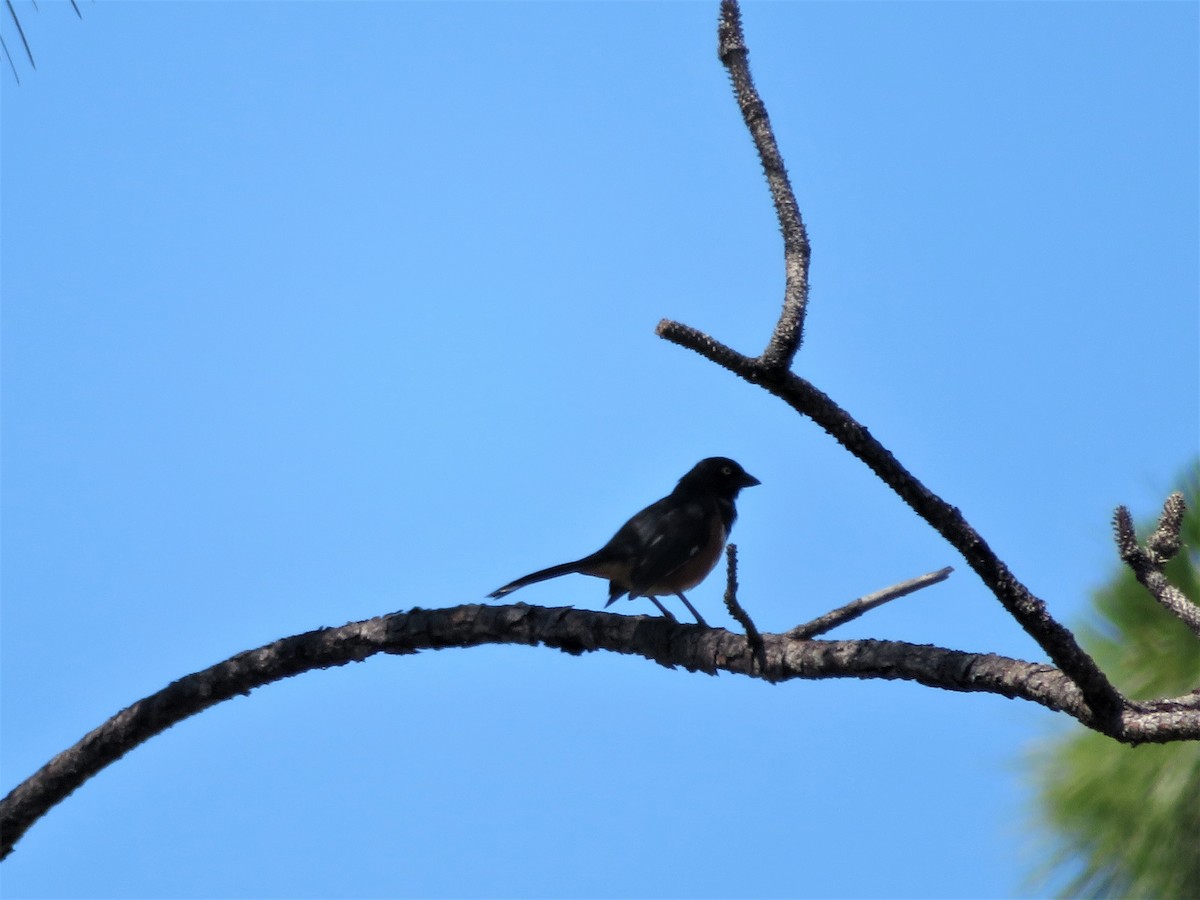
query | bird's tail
(541,575)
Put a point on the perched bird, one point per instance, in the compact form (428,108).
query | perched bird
(670,546)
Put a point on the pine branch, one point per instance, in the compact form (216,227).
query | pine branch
(1147,562)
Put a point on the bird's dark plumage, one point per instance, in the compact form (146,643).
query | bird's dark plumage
(670,546)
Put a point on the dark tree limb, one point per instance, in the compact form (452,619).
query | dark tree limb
(1029,611)
(856,608)
(771,371)
(1147,562)
(575,631)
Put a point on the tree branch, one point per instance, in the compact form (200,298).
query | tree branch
(1029,611)
(789,330)
(735,608)
(1147,562)
(573,631)
(771,371)
(856,608)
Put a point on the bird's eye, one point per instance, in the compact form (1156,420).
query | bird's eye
(725,470)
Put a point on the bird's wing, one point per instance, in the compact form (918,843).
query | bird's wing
(670,536)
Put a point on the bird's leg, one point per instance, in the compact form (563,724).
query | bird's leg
(692,609)
(666,612)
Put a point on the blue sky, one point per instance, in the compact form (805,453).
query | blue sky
(317,311)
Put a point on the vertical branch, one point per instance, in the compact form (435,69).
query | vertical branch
(753,636)
(789,330)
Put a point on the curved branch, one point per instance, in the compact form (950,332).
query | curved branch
(574,631)
(789,330)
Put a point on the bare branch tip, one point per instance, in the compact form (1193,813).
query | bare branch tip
(731,582)
(1173,509)
(1165,541)
(731,23)
(1124,534)
(730,38)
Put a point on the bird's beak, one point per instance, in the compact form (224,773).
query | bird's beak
(749,480)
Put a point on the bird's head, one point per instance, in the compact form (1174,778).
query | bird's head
(720,474)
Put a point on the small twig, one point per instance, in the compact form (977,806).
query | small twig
(789,330)
(853,610)
(1147,561)
(735,609)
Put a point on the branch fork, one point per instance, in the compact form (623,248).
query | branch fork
(1146,561)
(772,371)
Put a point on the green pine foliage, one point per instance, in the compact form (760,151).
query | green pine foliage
(1125,821)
